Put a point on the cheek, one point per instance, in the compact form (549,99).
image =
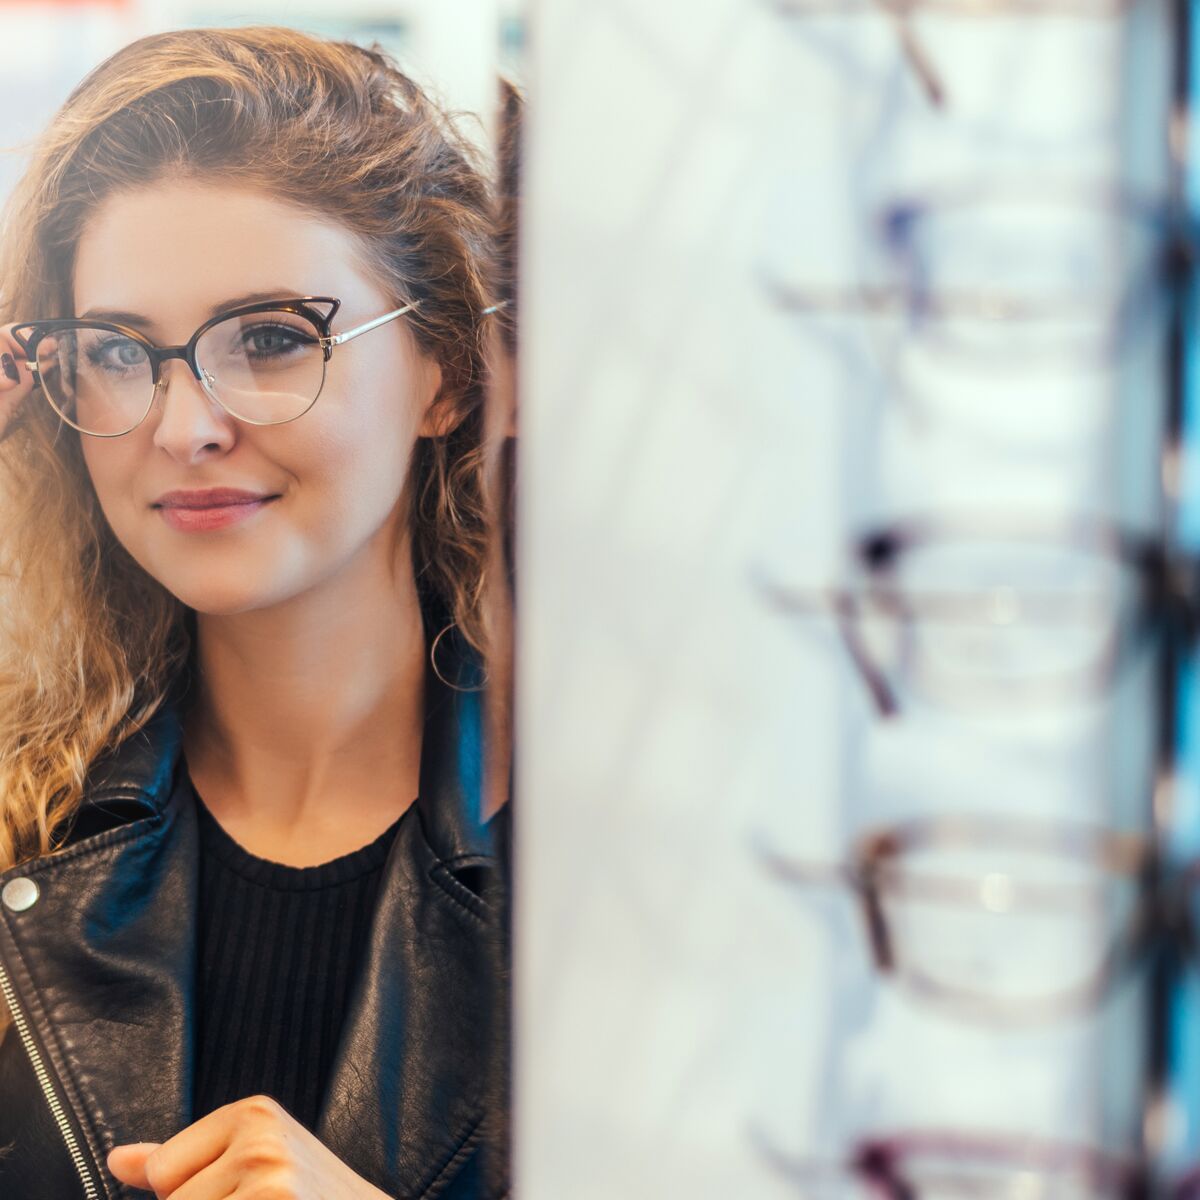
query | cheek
(362,447)
(342,474)
(111,470)
(355,475)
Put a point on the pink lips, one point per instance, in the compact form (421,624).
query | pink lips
(211,508)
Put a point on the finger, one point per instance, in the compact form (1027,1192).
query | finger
(16,381)
(128,1163)
(202,1144)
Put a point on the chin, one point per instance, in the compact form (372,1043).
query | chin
(206,601)
(219,577)
(211,594)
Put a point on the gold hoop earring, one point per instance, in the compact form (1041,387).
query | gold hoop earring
(433,663)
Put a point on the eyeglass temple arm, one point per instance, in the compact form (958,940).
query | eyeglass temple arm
(338,338)
(841,603)
(793,870)
(804,1171)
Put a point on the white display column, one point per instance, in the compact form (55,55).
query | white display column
(829,309)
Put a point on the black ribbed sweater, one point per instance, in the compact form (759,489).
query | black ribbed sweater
(277,954)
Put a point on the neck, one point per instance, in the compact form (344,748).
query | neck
(310,712)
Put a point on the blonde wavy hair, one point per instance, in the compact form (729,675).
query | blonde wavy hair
(89,643)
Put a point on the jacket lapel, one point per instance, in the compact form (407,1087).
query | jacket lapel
(106,956)
(412,1084)
(102,961)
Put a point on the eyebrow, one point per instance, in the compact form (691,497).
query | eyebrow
(121,317)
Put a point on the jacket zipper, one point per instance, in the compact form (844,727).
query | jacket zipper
(72,1143)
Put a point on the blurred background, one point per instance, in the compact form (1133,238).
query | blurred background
(449,45)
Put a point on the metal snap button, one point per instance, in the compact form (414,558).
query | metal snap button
(19,894)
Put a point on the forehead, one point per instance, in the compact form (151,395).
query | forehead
(172,251)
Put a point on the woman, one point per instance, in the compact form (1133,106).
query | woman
(251,916)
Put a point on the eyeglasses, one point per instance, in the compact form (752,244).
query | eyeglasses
(906,15)
(1053,272)
(263,363)
(996,614)
(1009,920)
(1002,309)
(928,1164)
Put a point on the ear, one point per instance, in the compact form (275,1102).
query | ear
(437,420)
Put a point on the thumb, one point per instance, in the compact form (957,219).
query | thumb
(128,1163)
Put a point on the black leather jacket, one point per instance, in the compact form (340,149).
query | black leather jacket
(97,962)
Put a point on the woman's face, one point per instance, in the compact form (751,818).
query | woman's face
(174,252)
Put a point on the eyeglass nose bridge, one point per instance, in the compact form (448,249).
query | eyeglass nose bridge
(188,354)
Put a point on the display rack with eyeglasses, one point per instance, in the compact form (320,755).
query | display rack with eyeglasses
(992,917)
(262,362)
(1030,312)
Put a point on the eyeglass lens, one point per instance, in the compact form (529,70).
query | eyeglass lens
(1005,927)
(263,367)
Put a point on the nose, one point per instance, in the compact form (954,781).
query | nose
(191,424)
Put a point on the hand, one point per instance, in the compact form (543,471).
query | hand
(253,1147)
(13,392)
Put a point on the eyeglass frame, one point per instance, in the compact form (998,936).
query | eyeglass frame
(297,305)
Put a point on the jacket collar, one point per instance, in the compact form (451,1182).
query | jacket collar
(411,1082)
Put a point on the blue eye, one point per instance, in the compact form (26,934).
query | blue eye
(116,355)
(268,341)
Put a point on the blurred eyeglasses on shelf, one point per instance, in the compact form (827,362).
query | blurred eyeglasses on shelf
(954,1164)
(907,15)
(1005,919)
(994,614)
(1006,308)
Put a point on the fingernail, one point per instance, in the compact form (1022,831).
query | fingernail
(10,367)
